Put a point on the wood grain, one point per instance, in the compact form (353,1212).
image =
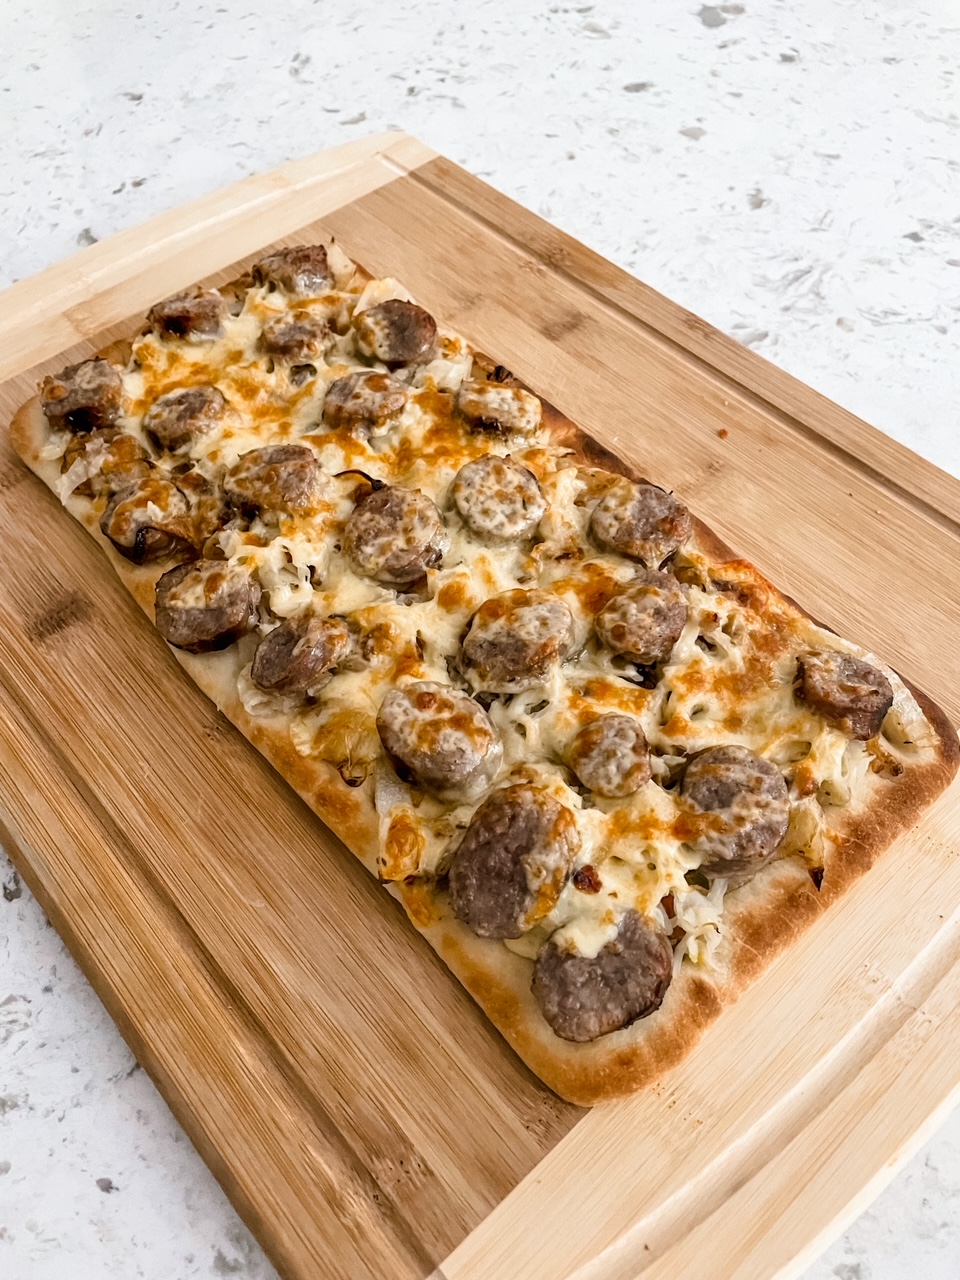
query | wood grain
(121,276)
(360,1113)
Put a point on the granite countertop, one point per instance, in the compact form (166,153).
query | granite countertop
(792,173)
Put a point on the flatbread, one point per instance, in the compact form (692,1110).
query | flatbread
(729,678)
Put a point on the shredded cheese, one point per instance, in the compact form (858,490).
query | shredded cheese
(729,678)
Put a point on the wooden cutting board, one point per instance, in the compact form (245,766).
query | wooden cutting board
(361,1114)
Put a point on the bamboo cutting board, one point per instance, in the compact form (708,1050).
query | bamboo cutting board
(361,1114)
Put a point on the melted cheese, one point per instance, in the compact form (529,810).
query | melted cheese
(728,679)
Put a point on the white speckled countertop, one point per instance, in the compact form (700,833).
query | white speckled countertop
(791,172)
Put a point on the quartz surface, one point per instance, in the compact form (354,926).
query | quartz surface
(791,172)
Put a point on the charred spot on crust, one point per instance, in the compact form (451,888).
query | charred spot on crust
(736,590)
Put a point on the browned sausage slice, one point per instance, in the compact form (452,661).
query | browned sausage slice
(279,477)
(395,535)
(301,270)
(297,335)
(610,756)
(115,459)
(438,737)
(498,499)
(300,655)
(585,997)
(395,332)
(364,402)
(515,640)
(491,406)
(513,861)
(83,397)
(846,690)
(748,803)
(147,520)
(196,314)
(640,521)
(644,621)
(178,419)
(206,605)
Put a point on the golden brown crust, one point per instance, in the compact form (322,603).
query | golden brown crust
(761,918)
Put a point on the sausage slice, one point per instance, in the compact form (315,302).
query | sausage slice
(206,605)
(749,797)
(300,655)
(196,314)
(515,639)
(147,520)
(83,397)
(499,500)
(364,402)
(176,420)
(438,737)
(395,332)
(644,621)
(276,478)
(585,997)
(846,690)
(301,270)
(297,335)
(610,756)
(640,521)
(491,406)
(513,861)
(394,535)
(116,460)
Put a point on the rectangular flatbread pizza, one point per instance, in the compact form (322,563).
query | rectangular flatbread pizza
(608,769)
